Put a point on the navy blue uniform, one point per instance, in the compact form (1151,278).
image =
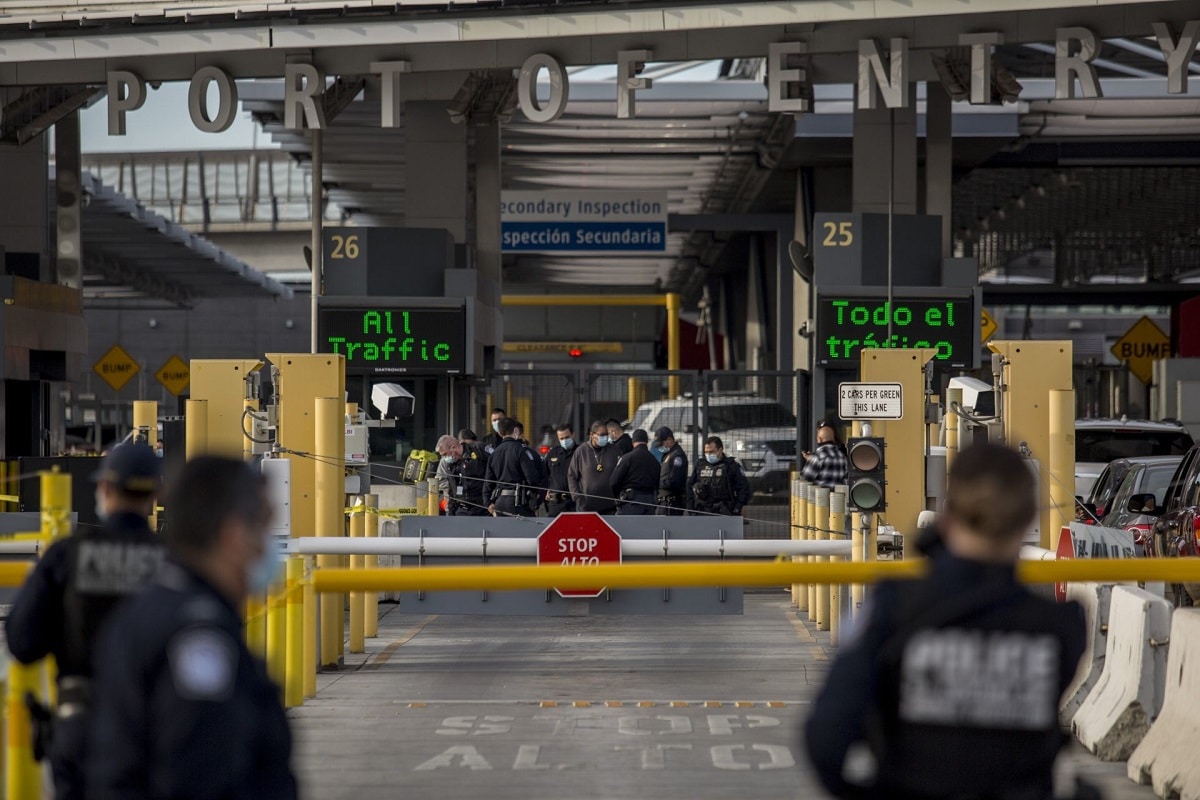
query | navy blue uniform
(953,682)
(183,711)
(558,490)
(512,473)
(719,488)
(468,488)
(71,592)
(672,482)
(635,482)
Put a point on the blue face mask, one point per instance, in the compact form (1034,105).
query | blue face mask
(566,444)
(659,452)
(601,441)
(447,460)
(496,425)
(266,568)
(712,457)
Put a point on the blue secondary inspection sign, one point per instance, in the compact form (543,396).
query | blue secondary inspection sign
(583,222)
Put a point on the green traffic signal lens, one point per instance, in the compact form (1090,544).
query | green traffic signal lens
(866,495)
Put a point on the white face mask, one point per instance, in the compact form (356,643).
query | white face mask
(266,569)
(496,425)
(566,444)
(601,441)
(712,457)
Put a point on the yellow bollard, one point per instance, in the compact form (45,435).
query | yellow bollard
(22,778)
(145,418)
(821,531)
(55,506)
(4,505)
(293,690)
(358,530)
(277,631)
(195,433)
(256,625)
(1061,466)
(794,527)
(330,491)
(837,528)
(371,600)
(309,647)
(809,496)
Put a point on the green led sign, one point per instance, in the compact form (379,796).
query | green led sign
(848,325)
(382,341)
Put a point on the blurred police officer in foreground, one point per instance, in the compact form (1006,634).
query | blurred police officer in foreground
(672,476)
(558,461)
(512,472)
(466,465)
(75,587)
(718,484)
(635,478)
(182,710)
(953,681)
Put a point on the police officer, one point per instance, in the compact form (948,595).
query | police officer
(954,679)
(493,439)
(618,439)
(589,475)
(511,473)
(635,478)
(673,472)
(467,468)
(182,709)
(558,461)
(465,436)
(76,586)
(718,484)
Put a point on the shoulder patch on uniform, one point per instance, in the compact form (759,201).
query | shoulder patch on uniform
(203,664)
(678,461)
(529,453)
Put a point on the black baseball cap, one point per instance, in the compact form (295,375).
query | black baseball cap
(131,467)
(640,436)
(663,433)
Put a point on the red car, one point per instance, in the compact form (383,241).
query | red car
(1176,531)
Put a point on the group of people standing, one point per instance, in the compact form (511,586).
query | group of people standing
(612,472)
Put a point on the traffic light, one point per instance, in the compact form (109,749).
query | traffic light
(865,474)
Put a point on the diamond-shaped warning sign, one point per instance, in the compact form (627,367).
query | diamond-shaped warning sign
(175,375)
(1142,345)
(116,367)
(987,326)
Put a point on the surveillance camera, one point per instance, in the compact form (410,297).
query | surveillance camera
(392,400)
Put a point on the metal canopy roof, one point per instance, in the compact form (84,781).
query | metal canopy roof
(133,254)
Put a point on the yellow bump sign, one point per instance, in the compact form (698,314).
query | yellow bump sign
(1142,345)
(175,375)
(987,326)
(116,367)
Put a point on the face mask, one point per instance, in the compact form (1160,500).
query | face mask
(496,425)
(448,460)
(712,457)
(100,515)
(266,569)
(659,452)
(601,441)
(566,444)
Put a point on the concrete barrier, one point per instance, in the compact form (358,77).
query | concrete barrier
(1094,597)
(1118,711)
(1166,758)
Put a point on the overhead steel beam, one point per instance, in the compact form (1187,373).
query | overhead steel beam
(1121,294)
(35,111)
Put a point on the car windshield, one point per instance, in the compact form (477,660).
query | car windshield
(748,415)
(1104,445)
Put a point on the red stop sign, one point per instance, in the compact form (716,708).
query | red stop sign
(1066,549)
(579,537)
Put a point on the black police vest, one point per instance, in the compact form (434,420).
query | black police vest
(667,467)
(469,472)
(968,699)
(712,483)
(103,568)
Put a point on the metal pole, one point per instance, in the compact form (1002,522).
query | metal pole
(145,417)
(1060,470)
(317,260)
(371,607)
(673,357)
(837,528)
(310,630)
(293,693)
(358,530)
(821,528)
(330,490)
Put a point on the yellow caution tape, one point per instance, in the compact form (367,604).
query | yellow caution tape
(9,498)
(390,513)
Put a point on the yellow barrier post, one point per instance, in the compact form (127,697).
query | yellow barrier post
(309,653)
(145,418)
(794,528)
(950,420)
(371,601)
(837,528)
(277,630)
(23,778)
(809,498)
(358,530)
(195,431)
(55,506)
(4,504)
(1061,469)
(256,625)
(293,690)
(821,530)
(673,349)
(330,521)
(432,496)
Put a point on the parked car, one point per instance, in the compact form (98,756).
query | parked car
(1148,479)
(1101,441)
(757,431)
(1176,531)
(1099,502)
